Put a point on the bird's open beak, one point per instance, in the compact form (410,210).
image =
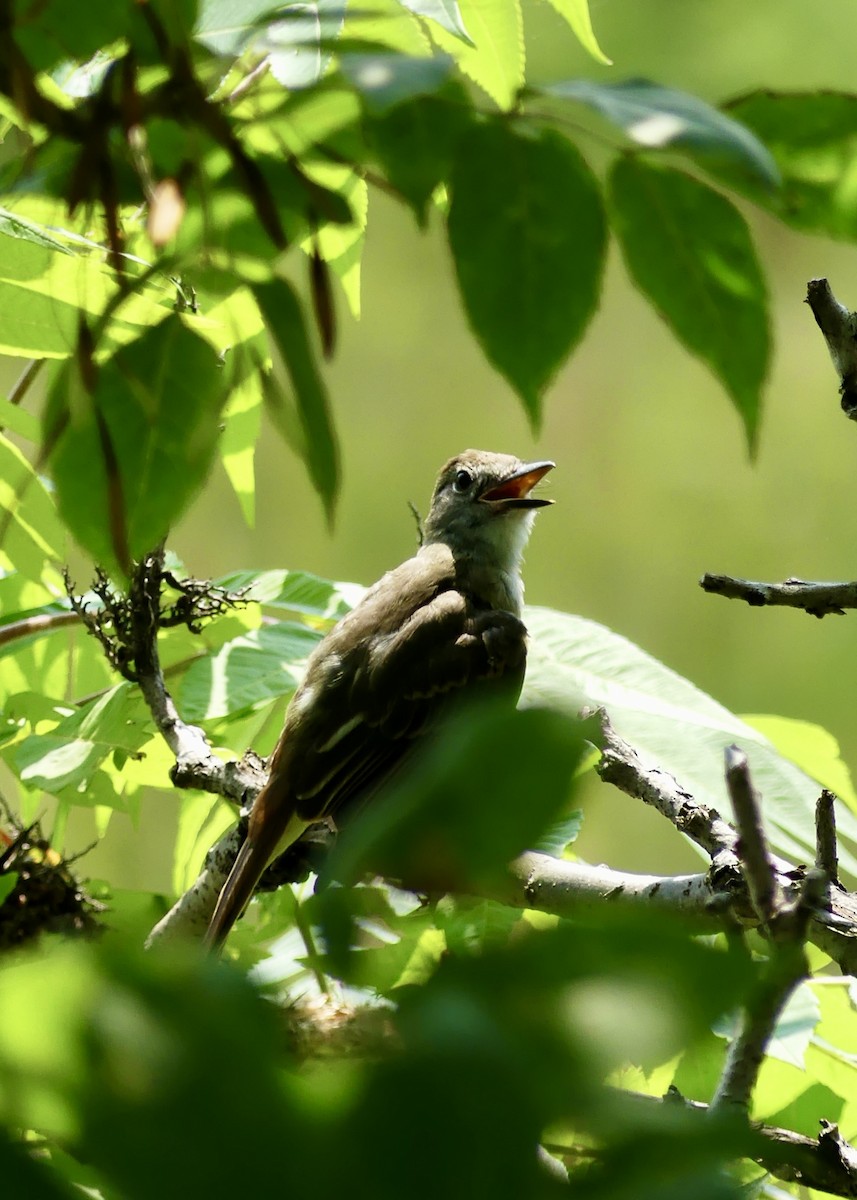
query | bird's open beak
(514,492)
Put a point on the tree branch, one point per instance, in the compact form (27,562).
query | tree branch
(839,329)
(819,599)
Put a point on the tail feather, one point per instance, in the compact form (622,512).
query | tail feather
(235,896)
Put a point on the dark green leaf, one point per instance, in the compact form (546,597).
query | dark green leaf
(147,430)
(385,80)
(662,118)
(560,834)
(284,319)
(23,1176)
(467,804)
(813,138)
(49,31)
(689,251)
(526,227)
(416,142)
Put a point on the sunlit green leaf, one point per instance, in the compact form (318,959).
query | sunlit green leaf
(575,663)
(242,420)
(576,14)
(689,251)
(814,749)
(31,531)
(495,59)
(526,227)
(249,671)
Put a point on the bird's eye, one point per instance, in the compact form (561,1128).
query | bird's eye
(462,481)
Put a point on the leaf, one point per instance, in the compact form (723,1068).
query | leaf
(526,227)
(147,431)
(69,754)
(226,27)
(576,14)
(25,424)
(30,530)
(812,748)
(249,671)
(793,1030)
(385,80)
(242,422)
(495,57)
(662,118)
(299,45)
(561,834)
(575,663)
(416,143)
(296,591)
(14,225)
(690,253)
(48,31)
(284,319)
(445,13)
(44,290)
(813,139)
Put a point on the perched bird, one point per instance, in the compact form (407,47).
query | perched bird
(444,625)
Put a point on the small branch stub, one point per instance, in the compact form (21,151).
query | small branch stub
(839,329)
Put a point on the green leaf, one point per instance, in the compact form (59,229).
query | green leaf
(300,44)
(48,31)
(23,1175)
(662,118)
(19,421)
(445,13)
(227,26)
(575,663)
(561,834)
(495,57)
(813,139)
(31,533)
(526,227)
(249,671)
(690,253)
(318,447)
(8,883)
(147,430)
(416,143)
(793,1030)
(812,748)
(242,420)
(44,290)
(296,591)
(17,226)
(454,817)
(69,755)
(385,80)
(576,14)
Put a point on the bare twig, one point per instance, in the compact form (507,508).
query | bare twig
(839,328)
(819,599)
(752,847)
(825,836)
(41,623)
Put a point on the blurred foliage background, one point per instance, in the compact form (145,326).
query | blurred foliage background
(653,484)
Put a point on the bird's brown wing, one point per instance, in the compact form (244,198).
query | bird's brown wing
(398,687)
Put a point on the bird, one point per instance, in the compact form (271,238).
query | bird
(443,626)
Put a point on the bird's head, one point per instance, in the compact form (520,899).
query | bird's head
(483,502)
